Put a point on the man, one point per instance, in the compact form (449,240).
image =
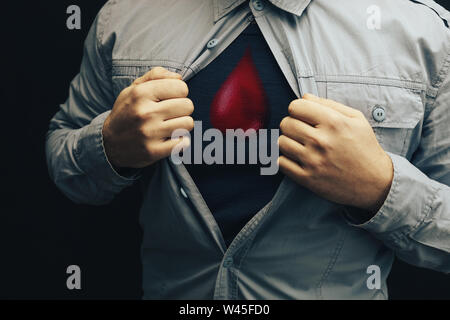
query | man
(364,172)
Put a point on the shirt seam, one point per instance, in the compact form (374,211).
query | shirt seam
(100,36)
(331,264)
(372,80)
(427,210)
(405,235)
(238,269)
(436,86)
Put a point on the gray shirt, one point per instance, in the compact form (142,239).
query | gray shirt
(389,59)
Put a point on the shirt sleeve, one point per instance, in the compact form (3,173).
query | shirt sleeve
(414,221)
(74,147)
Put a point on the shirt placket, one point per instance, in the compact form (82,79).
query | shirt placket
(224,32)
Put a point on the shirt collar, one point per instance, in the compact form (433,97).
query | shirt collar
(223,7)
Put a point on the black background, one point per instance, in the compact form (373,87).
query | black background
(41,231)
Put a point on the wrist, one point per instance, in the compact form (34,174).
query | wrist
(384,182)
(107,143)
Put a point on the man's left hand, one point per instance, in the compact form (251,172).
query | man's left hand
(332,150)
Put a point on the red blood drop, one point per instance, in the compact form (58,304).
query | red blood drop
(241,102)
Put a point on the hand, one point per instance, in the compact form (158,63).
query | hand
(332,150)
(137,133)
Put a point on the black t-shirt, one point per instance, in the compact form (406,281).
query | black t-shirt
(242,87)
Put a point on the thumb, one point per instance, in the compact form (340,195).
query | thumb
(157,73)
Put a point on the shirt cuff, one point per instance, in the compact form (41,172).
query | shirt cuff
(408,203)
(92,159)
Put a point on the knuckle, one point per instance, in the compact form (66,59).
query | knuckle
(189,123)
(359,113)
(140,113)
(317,164)
(298,158)
(324,144)
(347,126)
(280,141)
(293,106)
(318,141)
(183,87)
(135,93)
(125,92)
(152,151)
(189,106)
(321,165)
(283,143)
(335,122)
(284,124)
(157,71)
(143,132)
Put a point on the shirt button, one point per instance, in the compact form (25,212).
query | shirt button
(378,114)
(183,193)
(212,43)
(228,262)
(258,5)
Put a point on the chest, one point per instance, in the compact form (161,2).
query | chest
(363,69)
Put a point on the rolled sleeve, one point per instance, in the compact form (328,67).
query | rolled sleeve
(91,157)
(414,221)
(409,201)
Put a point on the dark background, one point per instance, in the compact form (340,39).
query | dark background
(41,231)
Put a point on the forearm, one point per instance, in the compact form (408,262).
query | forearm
(78,164)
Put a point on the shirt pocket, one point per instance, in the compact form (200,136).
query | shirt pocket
(124,72)
(394,112)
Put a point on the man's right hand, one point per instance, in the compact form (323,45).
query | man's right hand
(137,133)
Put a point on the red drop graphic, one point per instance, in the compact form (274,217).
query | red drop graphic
(241,102)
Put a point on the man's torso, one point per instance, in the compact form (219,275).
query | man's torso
(298,246)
